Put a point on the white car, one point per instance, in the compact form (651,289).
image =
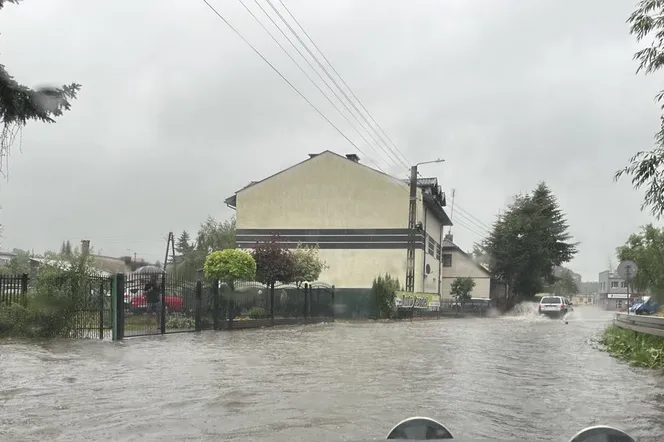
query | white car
(553,306)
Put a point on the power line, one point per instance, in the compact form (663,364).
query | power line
(474,218)
(218,14)
(302,69)
(393,157)
(344,82)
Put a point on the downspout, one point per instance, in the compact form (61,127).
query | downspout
(426,245)
(440,266)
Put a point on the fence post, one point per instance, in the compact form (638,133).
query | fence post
(117,305)
(272,304)
(162,321)
(333,307)
(199,297)
(215,304)
(306,300)
(102,297)
(24,289)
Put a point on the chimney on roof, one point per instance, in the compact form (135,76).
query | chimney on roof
(353,157)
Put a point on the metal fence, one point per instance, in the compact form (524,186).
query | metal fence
(85,301)
(101,307)
(14,289)
(160,304)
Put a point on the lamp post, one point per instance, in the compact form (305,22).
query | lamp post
(412,219)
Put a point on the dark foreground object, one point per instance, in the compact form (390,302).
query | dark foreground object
(424,428)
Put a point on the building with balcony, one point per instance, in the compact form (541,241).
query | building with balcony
(356,215)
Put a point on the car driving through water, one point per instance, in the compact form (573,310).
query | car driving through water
(554,306)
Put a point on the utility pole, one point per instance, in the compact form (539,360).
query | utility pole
(412,220)
(449,231)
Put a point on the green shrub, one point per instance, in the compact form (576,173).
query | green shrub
(54,305)
(257,313)
(180,322)
(637,349)
(384,290)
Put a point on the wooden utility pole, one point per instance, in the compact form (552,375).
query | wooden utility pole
(412,212)
(170,247)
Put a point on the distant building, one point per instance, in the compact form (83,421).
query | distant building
(612,293)
(457,263)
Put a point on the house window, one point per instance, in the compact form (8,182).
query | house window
(622,284)
(438,252)
(430,247)
(614,284)
(447,260)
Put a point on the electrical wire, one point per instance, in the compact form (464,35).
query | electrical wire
(242,37)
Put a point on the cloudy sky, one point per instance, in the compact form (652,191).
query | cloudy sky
(177,112)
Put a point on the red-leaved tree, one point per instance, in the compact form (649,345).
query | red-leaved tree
(274,263)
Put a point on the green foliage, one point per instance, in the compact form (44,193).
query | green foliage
(19,103)
(55,304)
(66,249)
(18,264)
(646,249)
(230,265)
(461,289)
(647,167)
(528,242)
(384,290)
(565,284)
(258,313)
(308,266)
(637,349)
(180,322)
(212,235)
(274,263)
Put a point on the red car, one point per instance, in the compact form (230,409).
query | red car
(173,303)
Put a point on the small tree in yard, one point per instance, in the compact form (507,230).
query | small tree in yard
(308,266)
(230,265)
(384,290)
(274,263)
(461,289)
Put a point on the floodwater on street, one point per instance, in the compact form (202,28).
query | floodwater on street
(510,377)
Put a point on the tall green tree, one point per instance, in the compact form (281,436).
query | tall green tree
(646,249)
(20,104)
(646,168)
(565,284)
(183,245)
(528,242)
(212,235)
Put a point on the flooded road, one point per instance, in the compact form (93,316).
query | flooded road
(509,377)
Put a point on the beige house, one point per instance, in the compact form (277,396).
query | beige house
(457,263)
(357,216)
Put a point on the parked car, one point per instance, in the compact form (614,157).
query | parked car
(173,303)
(553,306)
(648,307)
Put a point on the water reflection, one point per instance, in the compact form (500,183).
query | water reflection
(514,377)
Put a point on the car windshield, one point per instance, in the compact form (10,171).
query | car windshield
(551,300)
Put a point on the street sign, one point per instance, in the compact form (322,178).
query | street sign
(627,269)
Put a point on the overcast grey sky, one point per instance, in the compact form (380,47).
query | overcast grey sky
(176,112)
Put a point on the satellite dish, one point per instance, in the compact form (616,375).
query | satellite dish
(602,433)
(427,269)
(420,428)
(627,269)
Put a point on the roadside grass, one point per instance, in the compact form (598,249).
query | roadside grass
(637,349)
